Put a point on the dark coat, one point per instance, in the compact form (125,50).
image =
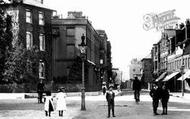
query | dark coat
(137,84)
(40,87)
(165,95)
(110,97)
(155,93)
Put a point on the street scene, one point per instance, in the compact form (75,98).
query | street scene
(96,108)
(94,59)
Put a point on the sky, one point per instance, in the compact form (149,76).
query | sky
(123,22)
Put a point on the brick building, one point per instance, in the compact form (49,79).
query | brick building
(147,72)
(67,34)
(32,26)
(175,48)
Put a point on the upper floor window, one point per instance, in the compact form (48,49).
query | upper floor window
(41,70)
(28,16)
(41,18)
(29,40)
(71,31)
(42,42)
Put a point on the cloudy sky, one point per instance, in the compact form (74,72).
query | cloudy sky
(123,22)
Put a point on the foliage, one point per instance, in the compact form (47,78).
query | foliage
(5,38)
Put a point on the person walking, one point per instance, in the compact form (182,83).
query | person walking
(61,102)
(155,94)
(164,99)
(137,89)
(48,105)
(40,91)
(110,95)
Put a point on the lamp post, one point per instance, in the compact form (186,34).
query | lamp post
(82,47)
(182,81)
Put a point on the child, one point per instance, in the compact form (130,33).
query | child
(110,95)
(164,99)
(48,106)
(61,103)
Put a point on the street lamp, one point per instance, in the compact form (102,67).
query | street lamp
(82,48)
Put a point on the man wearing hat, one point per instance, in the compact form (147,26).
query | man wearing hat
(110,95)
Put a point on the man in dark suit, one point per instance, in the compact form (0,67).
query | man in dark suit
(155,93)
(137,88)
(110,95)
(40,90)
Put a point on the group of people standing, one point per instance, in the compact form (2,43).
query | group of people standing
(158,92)
(60,102)
(48,100)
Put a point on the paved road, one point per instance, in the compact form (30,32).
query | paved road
(96,107)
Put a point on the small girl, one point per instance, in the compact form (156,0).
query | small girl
(48,106)
(61,103)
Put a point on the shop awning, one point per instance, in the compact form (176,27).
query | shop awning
(161,76)
(170,76)
(186,75)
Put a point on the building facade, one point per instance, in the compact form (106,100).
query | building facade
(31,25)
(135,69)
(147,72)
(174,53)
(67,63)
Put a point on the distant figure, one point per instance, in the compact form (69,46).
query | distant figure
(155,94)
(110,95)
(137,89)
(48,106)
(40,91)
(61,102)
(164,99)
(104,89)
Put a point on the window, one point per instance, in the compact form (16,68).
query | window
(41,18)
(28,16)
(41,70)
(70,51)
(28,65)
(29,40)
(71,31)
(42,42)
(189,62)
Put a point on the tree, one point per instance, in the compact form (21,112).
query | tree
(5,38)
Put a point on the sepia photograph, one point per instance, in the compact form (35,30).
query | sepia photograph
(94,59)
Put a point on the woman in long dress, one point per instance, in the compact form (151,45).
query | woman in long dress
(61,102)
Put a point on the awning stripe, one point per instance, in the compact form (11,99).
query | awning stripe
(161,76)
(186,75)
(170,76)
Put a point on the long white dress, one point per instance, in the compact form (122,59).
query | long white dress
(48,102)
(61,102)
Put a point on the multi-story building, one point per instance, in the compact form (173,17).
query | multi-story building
(109,60)
(31,25)
(67,63)
(176,51)
(156,59)
(147,70)
(135,69)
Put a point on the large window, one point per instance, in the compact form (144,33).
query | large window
(42,42)
(42,70)
(41,18)
(28,16)
(71,31)
(29,40)
(70,51)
